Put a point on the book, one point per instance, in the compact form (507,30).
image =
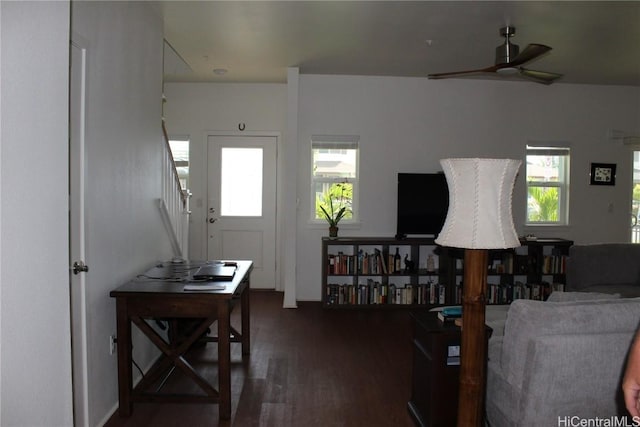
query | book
(382,266)
(448,318)
(452,311)
(450,314)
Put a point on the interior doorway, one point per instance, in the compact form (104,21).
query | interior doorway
(241,205)
(77,276)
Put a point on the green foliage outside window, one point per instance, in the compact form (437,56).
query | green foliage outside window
(338,198)
(543,204)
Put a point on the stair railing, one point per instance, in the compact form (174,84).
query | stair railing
(174,203)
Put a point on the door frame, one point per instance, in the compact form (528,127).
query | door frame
(77,236)
(279,285)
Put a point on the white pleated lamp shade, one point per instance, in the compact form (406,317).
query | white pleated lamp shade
(479,214)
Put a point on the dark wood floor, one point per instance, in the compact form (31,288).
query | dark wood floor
(308,367)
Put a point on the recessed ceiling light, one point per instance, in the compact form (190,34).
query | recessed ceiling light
(220,71)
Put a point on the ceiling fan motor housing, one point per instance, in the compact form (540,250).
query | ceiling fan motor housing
(506,51)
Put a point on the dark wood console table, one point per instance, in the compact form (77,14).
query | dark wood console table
(436,370)
(160,294)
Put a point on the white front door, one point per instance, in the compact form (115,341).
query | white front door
(241,209)
(77,278)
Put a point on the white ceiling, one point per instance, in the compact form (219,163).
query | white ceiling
(594,42)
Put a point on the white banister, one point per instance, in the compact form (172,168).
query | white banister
(174,203)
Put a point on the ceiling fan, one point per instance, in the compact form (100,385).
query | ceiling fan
(509,62)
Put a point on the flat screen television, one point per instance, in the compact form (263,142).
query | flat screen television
(423,200)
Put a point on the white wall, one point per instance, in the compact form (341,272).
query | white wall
(125,234)
(194,109)
(407,125)
(35,335)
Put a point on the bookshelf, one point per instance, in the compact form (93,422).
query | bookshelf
(363,272)
(532,271)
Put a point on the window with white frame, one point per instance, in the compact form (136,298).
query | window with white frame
(334,176)
(547,185)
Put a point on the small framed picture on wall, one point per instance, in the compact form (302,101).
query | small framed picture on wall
(603,174)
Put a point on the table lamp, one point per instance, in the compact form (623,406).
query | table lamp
(479,218)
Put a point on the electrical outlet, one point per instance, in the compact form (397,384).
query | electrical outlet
(112,344)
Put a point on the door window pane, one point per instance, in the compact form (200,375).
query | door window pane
(241,182)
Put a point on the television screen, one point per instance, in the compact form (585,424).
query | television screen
(423,200)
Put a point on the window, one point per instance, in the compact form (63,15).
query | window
(180,151)
(547,185)
(241,182)
(635,199)
(334,175)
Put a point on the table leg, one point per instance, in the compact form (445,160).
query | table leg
(125,374)
(224,359)
(245,316)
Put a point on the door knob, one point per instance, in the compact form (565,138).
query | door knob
(79,267)
(212,220)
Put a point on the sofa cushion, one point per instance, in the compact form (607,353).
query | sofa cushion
(581,296)
(622,290)
(527,319)
(603,264)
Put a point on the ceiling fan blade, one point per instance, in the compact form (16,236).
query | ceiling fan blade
(543,77)
(462,73)
(529,53)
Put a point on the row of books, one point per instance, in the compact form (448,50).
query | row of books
(554,264)
(374,263)
(362,263)
(511,263)
(374,292)
(505,294)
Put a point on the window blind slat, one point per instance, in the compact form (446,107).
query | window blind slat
(335,142)
(533,150)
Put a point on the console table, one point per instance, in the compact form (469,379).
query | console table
(436,370)
(160,293)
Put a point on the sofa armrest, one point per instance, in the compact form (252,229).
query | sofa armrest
(501,397)
(573,375)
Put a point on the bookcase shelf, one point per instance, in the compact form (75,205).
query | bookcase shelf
(363,272)
(532,271)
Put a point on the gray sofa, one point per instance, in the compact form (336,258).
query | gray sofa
(606,267)
(565,357)
(560,359)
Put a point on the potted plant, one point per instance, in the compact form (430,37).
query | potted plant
(333,209)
